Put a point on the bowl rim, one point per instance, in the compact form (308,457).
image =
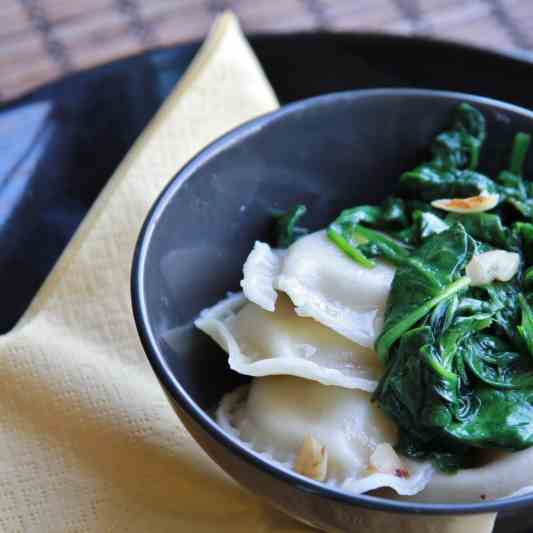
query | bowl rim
(178,393)
(516,56)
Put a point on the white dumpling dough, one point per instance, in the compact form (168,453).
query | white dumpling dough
(275,414)
(505,474)
(260,271)
(323,283)
(261,343)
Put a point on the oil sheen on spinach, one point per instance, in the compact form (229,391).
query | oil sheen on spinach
(458,358)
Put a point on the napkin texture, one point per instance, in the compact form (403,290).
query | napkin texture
(88,441)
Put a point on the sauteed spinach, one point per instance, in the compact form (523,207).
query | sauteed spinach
(287,229)
(458,355)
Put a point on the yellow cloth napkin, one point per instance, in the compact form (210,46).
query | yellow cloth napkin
(88,442)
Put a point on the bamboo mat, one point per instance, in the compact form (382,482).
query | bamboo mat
(43,39)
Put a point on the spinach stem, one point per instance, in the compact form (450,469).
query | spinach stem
(519,152)
(386,340)
(349,249)
(391,248)
(440,369)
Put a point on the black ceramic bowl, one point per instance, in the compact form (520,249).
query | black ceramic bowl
(329,152)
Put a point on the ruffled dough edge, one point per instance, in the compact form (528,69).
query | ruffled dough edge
(212,322)
(260,272)
(263,278)
(422,472)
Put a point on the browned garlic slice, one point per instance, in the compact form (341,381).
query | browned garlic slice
(386,461)
(312,459)
(472,204)
(490,266)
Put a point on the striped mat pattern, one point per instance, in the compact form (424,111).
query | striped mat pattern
(44,39)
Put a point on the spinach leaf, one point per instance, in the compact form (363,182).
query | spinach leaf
(486,227)
(524,231)
(394,213)
(470,305)
(442,316)
(371,214)
(458,359)
(428,224)
(402,390)
(417,398)
(470,120)
(346,239)
(440,410)
(505,300)
(455,156)
(287,230)
(519,153)
(527,279)
(493,362)
(525,329)
(348,233)
(391,214)
(504,419)
(431,274)
(429,183)
(395,251)
(512,188)
(460,146)
(450,173)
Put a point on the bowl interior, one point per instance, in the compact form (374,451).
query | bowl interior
(329,153)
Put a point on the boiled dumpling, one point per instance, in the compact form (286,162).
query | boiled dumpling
(261,343)
(323,283)
(502,474)
(276,415)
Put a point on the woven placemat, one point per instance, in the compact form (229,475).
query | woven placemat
(43,39)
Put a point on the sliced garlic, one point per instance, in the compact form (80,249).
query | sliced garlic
(386,461)
(472,204)
(312,460)
(490,266)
